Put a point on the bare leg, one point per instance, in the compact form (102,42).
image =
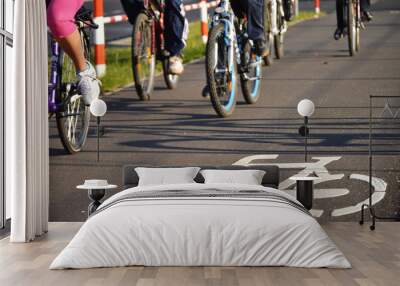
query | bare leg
(72,45)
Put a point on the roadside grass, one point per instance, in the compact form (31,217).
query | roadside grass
(119,70)
(306,15)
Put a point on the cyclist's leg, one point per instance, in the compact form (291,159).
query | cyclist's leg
(365,9)
(340,9)
(340,17)
(60,19)
(176,32)
(132,8)
(255,22)
(255,26)
(255,19)
(365,5)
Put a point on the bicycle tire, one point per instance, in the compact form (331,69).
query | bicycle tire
(171,80)
(251,89)
(279,38)
(268,60)
(351,28)
(66,121)
(223,110)
(358,19)
(143,56)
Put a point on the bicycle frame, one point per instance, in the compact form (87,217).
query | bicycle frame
(154,9)
(224,14)
(53,103)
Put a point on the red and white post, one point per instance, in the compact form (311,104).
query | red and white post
(99,42)
(204,20)
(317,6)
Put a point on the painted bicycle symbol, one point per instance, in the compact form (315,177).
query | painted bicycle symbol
(318,166)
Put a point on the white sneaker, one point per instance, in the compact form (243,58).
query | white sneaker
(88,84)
(175,65)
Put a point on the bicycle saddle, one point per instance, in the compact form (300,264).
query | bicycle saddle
(85,15)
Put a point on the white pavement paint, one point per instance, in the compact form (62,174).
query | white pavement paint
(390,111)
(378,194)
(319,168)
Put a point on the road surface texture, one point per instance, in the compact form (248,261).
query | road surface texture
(179,127)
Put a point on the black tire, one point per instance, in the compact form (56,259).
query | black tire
(143,56)
(171,80)
(351,28)
(251,89)
(217,90)
(279,38)
(73,119)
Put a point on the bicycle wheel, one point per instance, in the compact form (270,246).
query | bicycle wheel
(171,80)
(221,78)
(358,21)
(351,28)
(268,60)
(143,56)
(250,80)
(279,38)
(73,119)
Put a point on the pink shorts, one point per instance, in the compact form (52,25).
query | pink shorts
(60,17)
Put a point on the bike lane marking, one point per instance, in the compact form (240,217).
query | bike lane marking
(319,168)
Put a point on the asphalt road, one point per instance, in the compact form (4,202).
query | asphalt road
(179,127)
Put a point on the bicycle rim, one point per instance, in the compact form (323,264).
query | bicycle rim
(221,77)
(143,57)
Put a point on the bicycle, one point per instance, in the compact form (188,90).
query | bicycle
(147,47)
(229,51)
(72,115)
(276,15)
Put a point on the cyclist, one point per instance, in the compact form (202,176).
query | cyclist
(176,29)
(60,20)
(253,10)
(341,29)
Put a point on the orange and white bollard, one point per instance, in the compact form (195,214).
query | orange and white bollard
(99,42)
(317,5)
(204,20)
